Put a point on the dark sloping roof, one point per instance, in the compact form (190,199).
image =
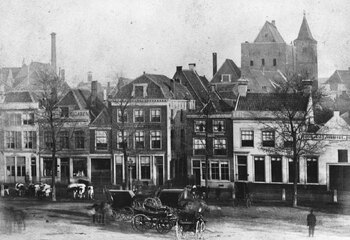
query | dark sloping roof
(228,67)
(339,76)
(269,33)
(304,32)
(160,87)
(198,84)
(19,97)
(264,81)
(272,102)
(102,120)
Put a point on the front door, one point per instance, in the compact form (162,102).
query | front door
(65,170)
(160,175)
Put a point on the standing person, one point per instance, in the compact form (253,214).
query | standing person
(311,222)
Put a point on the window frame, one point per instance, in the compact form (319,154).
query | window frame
(225,75)
(29,137)
(101,145)
(144,166)
(217,123)
(265,136)
(220,144)
(139,135)
(197,149)
(136,117)
(119,116)
(197,124)
(259,169)
(312,178)
(279,177)
(156,110)
(251,134)
(155,135)
(79,139)
(28,118)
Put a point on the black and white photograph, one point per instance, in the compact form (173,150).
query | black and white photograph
(174,119)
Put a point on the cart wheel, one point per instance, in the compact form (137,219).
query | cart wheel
(141,223)
(200,227)
(151,202)
(178,231)
(164,225)
(126,214)
(248,203)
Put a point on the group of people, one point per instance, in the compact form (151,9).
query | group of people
(30,190)
(82,190)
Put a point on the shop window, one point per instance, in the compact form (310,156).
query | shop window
(48,167)
(312,169)
(276,168)
(259,167)
(79,167)
(145,167)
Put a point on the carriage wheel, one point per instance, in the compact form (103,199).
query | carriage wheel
(141,223)
(126,214)
(150,202)
(178,231)
(200,227)
(164,225)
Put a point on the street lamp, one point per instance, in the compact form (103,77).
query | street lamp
(130,162)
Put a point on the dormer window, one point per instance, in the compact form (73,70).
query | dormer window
(225,78)
(139,91)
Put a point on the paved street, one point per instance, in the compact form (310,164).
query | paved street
(69,220)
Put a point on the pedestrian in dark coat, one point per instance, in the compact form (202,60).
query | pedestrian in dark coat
(311,222)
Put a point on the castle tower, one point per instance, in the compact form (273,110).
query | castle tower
(306,52)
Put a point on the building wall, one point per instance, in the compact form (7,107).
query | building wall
(306,58)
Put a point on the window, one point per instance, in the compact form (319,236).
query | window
(48,167)
(122,116)
(220,146)
(268,138)
(33,166)
(139,91)
(13,139)
(138,116)
(120,142)
(251,63)
(218,126)
(155,140)
(312,169)
(21,166)
(10,166)
(64,139)
(145,167)
(155,115)
(29,139)
(101,140)
(64,112)
(205,170)
(215,173)
(242,168)
(225,78)
(224,171)
(263,62)
(13,119)
(247,137)
(199,146)
(48,139)
(274,62)
(199,126)
(276,168)
(259,168)
(79,139)
(28,119)
(291,170)
(79,167)
(342,155)
(139,139)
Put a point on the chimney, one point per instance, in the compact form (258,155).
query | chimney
(215,63)
(105,96)
(242,87)
(53,51)
(273,23)
(89,76)
(212,87)
(178,68)
(336,114)
(307,86)
(192,66)
(93,92)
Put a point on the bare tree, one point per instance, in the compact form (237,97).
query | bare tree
(50,118)
(292,120)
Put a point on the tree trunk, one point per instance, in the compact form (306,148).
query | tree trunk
(295,183)
(126,170)
(53,180)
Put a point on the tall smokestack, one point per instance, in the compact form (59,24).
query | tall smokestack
(215,63)
(89,76)
(93,93)
(53,52)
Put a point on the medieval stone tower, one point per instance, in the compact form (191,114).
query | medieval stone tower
(306,52)
(269,52)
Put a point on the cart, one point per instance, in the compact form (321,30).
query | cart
(121,202)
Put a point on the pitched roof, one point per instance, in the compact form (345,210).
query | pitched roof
(335,125)
(272,102)
(228,67)
(269,33)
(304,32)
(19,97)
(264,81)
(166,88)
(339,76)
(198,85)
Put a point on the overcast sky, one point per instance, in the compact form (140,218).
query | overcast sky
(156,36)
